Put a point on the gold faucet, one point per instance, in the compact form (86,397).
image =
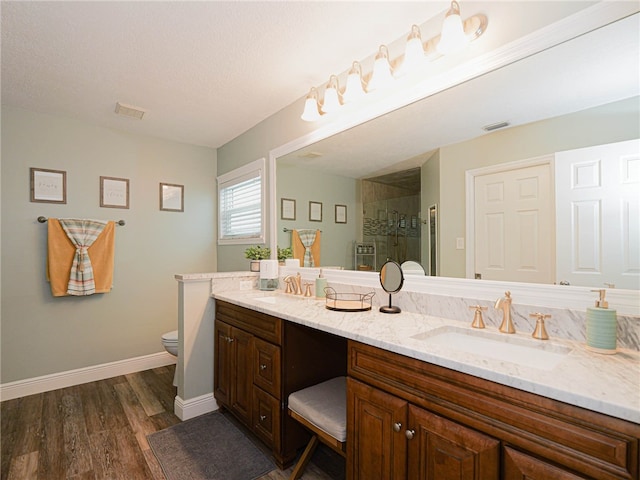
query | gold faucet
(504,303)
(540,332)
(307,290)
(288,280)
(478,322)
(294,284)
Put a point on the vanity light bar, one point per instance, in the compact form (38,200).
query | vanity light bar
(386,70)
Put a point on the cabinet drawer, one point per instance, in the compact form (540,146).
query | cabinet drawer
(587,442)
(266,367)
(440,448)
(259,324)
(266,418)
(518,465)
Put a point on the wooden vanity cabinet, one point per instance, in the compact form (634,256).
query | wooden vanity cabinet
(259,360)
(233,386)
(518,465)
(376,443)
(393,439)
(464,427)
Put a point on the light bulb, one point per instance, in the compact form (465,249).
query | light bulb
(381,76)
(354,90)
(452,38)
(331,96)
(414,56)
(311,113)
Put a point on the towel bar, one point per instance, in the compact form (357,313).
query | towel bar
(285,229)
(42,219)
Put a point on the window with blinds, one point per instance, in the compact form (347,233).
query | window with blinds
(241,195)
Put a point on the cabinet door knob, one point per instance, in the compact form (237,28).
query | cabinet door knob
(410,434)
(263,366)
(397,426)
(230,340)
(262,418)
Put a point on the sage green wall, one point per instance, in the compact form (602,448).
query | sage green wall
(610,123)
(279,129)
(304,185)
(429,195)
(42,334)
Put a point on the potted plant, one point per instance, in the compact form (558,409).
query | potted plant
(255,254)
(284,253)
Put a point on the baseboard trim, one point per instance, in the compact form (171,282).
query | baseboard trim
(54,381)
(194,407)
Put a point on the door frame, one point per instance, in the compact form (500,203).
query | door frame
(470,191)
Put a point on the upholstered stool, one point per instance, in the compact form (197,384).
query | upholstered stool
(322,409)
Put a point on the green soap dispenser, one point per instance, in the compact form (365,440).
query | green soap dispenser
(321,282)
(602,326)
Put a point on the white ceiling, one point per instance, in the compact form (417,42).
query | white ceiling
(205,72)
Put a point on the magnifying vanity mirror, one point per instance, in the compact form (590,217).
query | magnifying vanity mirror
(391,279)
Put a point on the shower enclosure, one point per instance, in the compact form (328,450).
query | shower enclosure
(392,215)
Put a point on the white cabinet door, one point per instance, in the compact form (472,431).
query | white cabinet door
(598,215)
(514,224)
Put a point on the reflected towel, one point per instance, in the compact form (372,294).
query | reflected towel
(309,255)
(61,253)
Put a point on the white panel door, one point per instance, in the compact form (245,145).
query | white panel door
(598,215)
(514,224)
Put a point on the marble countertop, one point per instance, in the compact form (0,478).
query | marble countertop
(564,370)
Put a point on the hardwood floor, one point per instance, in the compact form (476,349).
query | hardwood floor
(98,431)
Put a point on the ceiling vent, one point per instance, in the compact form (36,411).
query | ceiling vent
(129,111)
(495,126)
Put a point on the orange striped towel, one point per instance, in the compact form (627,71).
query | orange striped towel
(62,254)
(308,256)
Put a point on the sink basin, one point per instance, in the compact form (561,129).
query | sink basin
(274,297)
(540,355)
(272,300)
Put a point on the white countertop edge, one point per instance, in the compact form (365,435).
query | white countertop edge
(196,277)
(601,405)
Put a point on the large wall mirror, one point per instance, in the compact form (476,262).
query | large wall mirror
(580,93)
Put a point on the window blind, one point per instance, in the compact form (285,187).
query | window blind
(240,207)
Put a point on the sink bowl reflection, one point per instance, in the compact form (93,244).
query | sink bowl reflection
(497,346)
(274,297)
(272,300)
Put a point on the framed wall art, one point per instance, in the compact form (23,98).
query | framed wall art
(287,209)
(48,186)
(341,214)
(114,192)
(171,197)
(315,211)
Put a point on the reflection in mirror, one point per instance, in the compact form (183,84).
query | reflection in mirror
(391,279)
(391,211)
(412,268)
(554,102)
(433,240)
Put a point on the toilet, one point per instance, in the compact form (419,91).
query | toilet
(170,343)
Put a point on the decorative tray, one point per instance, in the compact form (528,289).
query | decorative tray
(347,302)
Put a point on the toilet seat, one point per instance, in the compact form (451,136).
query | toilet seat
(170,338)
(170,344)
